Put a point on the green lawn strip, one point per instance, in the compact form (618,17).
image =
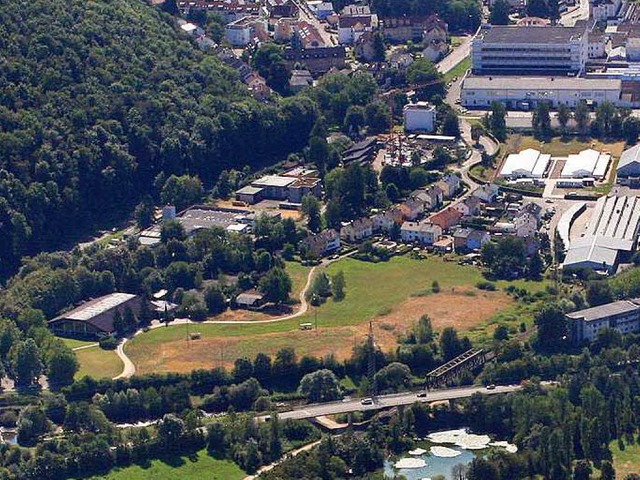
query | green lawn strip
(73,343)
(560,147)
(98,363)
(459,70)
(626,461)
(200,466)
(299,275)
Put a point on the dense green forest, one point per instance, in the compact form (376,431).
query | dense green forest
(99,100)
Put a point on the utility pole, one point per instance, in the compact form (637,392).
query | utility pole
(371,367)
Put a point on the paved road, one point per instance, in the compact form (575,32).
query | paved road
(386,401)
(456,56)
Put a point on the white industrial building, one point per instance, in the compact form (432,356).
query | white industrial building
(529,163)
(525,92)
(629,167)
(623,316)
(586,164)
(420,116)
(612,232)
(516,49)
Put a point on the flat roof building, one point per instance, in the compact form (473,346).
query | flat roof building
(612,231)
(623,315)
(515,49)
(526,92)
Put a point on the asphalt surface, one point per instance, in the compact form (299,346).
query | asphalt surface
(386,401)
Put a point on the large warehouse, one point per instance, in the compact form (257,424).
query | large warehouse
(629,167)
(524,93)
(95,317)
(612,233)
(586,164)
(521,50)
(528,163)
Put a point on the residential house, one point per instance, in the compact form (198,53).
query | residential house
(281,8)
(317,60)
(249,300)
(258,86)
(300,79)
(322,243)
(384,222)
(400,59)
(446,218)
(241,32)
(355,10)
(321,9)
(526,225)
(434,40)
(469,207)
(412,209)
(357,230)
(449,184)
(351,28)
(365,48)
(487,193)
(305,36)
(422,232)
(414,28)
(444,245)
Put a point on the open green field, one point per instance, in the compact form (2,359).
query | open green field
(627,461)
(73,343)
(459,70)
(561,147)
(200,466)
(393,294)
(98,363)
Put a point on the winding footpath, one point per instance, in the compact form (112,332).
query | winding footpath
(129,369)
(286,456)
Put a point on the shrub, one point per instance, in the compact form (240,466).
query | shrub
(108,343)
(485,285)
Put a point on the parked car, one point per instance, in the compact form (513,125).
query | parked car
(422,394)
(367,401)
(491,387)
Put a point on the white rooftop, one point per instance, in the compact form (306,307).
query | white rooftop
(528,163)
(587,163)
(96,307)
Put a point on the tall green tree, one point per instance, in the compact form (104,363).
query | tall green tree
(25,361)
(499,14)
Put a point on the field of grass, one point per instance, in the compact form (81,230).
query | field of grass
(627,461)
(98,363)
(200,466)
(73,343)
(459,70)
(392,293)
(560,147)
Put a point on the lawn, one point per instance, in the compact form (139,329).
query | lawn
(561,147)
(299,275)
(98,363)
(459,70)
(393,294)
(200,466)
(627,461)
(73,343)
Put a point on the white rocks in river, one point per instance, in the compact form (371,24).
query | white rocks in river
(509,447)
(411,463)
(417,451)
(444,452)
(462,439)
